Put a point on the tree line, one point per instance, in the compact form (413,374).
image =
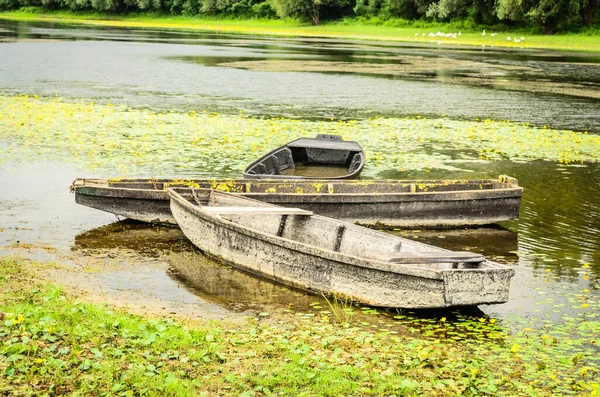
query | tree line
(548,16)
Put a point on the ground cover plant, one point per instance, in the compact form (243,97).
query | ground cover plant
(105,137)
(427,33)
(52,343)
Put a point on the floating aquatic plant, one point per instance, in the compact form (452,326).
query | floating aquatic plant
(116,139)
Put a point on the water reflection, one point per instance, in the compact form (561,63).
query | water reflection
(203,277)
(143,239)
(495,242)
(233,288)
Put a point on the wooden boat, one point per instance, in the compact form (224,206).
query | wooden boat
(324,157)
(383,203)
(324,255)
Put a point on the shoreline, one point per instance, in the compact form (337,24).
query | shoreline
(279,28)
(47,328)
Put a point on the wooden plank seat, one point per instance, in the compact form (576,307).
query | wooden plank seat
(256,210)
(428,257)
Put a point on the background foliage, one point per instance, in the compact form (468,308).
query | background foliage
(547,16)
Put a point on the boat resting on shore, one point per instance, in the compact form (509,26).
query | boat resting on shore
(323,157)
(382,203)
(325,255)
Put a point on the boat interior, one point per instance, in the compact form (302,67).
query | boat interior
(327,233)
(285,160)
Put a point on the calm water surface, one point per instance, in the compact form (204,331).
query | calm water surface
(178,70)
(559,226)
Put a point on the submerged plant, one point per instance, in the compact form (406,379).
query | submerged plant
(341,308)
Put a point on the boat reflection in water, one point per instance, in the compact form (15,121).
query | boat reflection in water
(138,242)
(235,289)
(148,241)
(494,241)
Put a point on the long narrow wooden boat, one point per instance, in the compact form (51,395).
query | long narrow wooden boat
(324,157)
(325,255)
(383,203)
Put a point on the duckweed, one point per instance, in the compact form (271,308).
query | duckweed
(116,139)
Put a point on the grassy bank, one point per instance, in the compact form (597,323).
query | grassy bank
(51,343)
(340,30)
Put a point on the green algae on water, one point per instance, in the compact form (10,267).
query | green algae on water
(119,139)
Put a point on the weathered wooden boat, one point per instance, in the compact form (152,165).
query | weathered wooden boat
(324,157)
(405,204)
(325,255)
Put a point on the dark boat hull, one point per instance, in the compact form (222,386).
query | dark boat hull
(403,204)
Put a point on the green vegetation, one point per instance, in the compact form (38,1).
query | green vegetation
(393,29)
(541,16)
(108,137)
(53,344)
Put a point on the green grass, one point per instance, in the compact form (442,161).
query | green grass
(353,29)
(53,344)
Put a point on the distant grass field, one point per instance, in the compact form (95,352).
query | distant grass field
(340,29)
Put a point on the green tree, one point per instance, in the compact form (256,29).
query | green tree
(550,14)
(306,10)
(589,11)
(512,10)
(478,11)
(444,9)
(553,13)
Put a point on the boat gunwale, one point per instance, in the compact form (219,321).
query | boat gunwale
(447,182)
(364,262)
(492,193)
(513,183)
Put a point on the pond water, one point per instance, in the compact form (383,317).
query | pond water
(297,86)
(315,78)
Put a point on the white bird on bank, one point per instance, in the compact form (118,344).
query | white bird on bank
(483,34)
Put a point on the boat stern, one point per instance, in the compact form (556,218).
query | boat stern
(471,287)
